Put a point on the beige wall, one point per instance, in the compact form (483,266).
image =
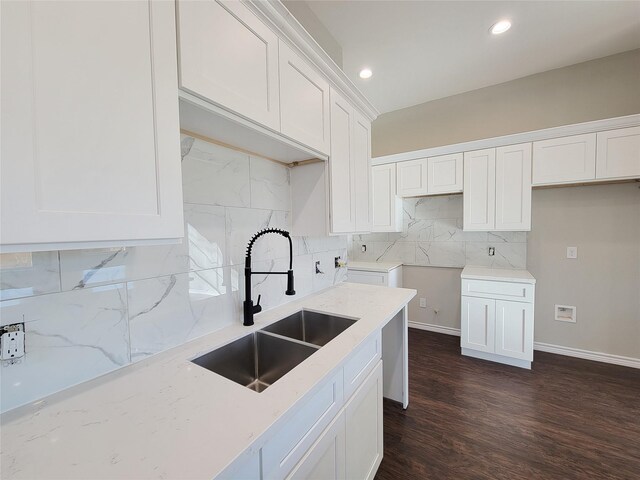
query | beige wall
(603,221)
(603,88)
(301,11)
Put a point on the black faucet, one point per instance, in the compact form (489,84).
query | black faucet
(249,307)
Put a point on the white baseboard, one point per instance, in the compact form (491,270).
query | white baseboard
(435,328)
(546,347)
(588,355)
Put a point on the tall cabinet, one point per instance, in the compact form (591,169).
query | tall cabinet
(90,129)
(349,168)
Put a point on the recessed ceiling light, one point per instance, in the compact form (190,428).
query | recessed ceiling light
(501,27)
(365,73)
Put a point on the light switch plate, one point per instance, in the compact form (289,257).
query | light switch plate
(572,252)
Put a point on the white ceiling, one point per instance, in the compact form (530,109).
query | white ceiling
(424,50)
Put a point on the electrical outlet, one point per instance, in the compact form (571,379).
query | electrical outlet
(572,252)
(423,303)
(492,251)
(12,342)
(318,271)
(363,248)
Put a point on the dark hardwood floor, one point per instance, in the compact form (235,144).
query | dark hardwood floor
(471,419)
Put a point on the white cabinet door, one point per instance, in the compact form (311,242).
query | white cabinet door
(412,178)
(618,154)
(304,101)
(325,460)
(229,57)
(364,428)
(340,166)
(564,160)
(90,130)
(362,172)
(514,329)
(513,187)
(387,206)
(478,324)
(444,174)
(479,197)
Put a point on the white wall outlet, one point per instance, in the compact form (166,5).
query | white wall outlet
(572,252)
(12,342)
(492,251)
(363,248)
(423,303)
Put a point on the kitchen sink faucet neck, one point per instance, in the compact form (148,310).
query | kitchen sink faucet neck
(249,308)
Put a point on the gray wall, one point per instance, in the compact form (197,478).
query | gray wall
(301,11)
(602,88)
(603,221)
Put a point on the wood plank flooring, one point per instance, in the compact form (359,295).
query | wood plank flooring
(471,419)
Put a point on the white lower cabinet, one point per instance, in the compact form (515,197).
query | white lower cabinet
(335,434)
(363,421)
(494,328)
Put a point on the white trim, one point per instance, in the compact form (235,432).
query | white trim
(494,357)
(588,355)
(276,15)
(546,347)
(533,136)
(434,328)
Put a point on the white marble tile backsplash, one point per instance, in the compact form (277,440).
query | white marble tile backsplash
(433,235)
(88,312)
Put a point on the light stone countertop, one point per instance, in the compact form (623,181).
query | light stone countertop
(373,266)
(499,274)
(165,417)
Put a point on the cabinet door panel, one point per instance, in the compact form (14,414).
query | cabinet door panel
(363,417)
(340,165)
(90,133)
(479,190)
(304,101)
(478,324)
(362,172)
(513,187)
(412,178)
(242,74)
(564,160)
(618,153)
(445,174)
(514,329)
(326,459)
(387,207)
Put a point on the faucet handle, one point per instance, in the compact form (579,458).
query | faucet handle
(257,308)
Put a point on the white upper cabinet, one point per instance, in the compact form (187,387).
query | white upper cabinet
(412,178)
(497,189)
(444,174)
(479,197)
(513,187)
(229,57)
(362,172)
(564,160)
(341,166)
(349,168)
(304,101)
(387,206)
(618,154)
(90,133)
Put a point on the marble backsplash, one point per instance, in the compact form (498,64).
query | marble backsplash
(432,235)
(88,312)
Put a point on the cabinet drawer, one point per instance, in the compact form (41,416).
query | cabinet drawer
(360,364)
(519,292)
(370,278)
(293,440)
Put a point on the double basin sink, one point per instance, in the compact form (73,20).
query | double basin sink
(259,359)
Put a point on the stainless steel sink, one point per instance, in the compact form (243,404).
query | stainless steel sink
(311,327)
(257,360)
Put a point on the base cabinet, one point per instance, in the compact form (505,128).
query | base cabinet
(497,321)
(363,419)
